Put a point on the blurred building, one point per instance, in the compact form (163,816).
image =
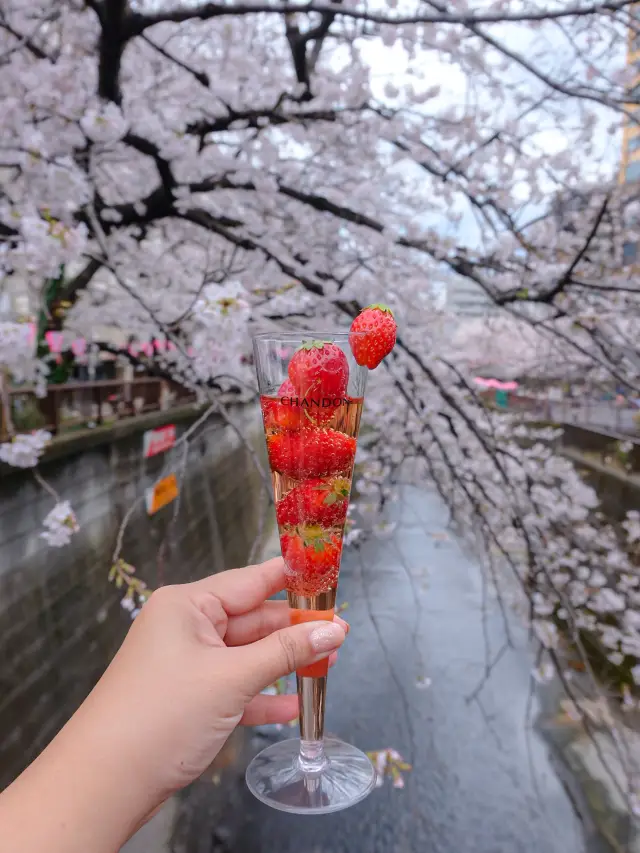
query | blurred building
(630,160)
(629,173)
(466,299)
(14,298)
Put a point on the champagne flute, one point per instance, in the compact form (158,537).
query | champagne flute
(311,394)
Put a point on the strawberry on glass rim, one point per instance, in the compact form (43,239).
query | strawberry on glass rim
(373,335)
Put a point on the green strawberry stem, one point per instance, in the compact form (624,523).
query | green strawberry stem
(308,345)
(380,306)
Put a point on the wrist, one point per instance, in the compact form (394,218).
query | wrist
(84,792)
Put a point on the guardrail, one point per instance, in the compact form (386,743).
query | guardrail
(604,447)
(74,405)
(589,413)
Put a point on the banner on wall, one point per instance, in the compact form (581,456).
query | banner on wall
(158,440)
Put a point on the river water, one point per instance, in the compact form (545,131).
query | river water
(482,781)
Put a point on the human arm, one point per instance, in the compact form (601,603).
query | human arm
(190,670)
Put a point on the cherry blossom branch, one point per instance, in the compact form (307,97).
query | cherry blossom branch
(45,485)
(26,40)
(138,21)
(200,76)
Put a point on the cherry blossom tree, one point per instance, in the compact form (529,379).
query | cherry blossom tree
(194,171)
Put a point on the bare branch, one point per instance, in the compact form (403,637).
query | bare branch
(138,21)
(200,76)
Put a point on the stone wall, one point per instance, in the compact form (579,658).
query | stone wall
(595,455)
(60,619)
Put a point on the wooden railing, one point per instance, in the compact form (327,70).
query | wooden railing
(75,405)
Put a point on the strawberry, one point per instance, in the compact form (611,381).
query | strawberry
(379,336)
(319,369)
(312,559)
(311,453)
(289,411)
(280,415)
(322,502)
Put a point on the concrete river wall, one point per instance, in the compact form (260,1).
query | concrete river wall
(60,618)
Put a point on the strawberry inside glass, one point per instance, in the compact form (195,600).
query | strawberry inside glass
(311,424)
(311,427)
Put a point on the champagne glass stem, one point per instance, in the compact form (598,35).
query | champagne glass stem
(312,694)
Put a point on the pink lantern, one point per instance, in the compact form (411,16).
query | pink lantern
(160,345)
(54,341)
(485,383)
(171,346)
(495,383)
(147,349)
(79,347)
(134,350)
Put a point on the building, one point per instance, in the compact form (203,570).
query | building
(14,298)
(464,298)
(630,160)
(629,173)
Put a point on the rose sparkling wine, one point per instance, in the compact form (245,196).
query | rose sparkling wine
(311,395)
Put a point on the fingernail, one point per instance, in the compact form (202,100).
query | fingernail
(326,638)
(345,625)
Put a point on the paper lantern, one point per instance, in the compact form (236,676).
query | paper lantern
(54,341)
(79,347)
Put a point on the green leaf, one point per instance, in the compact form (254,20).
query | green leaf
(318,546)
(523,293)
(380,306)
(309,345)
(330,499)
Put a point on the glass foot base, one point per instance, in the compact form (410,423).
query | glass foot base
(276,777)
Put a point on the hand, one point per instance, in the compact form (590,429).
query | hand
(189,671)
(194,662)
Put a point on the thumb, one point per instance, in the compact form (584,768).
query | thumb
(285,651)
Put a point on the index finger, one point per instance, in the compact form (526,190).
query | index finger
(242,590)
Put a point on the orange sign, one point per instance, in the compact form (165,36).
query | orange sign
(164,491)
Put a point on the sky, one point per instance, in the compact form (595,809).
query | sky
(391,64)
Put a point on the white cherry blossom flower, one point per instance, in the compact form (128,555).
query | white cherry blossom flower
(60,525)
(546,632)
(24,450)
(544,672)
(104,123)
